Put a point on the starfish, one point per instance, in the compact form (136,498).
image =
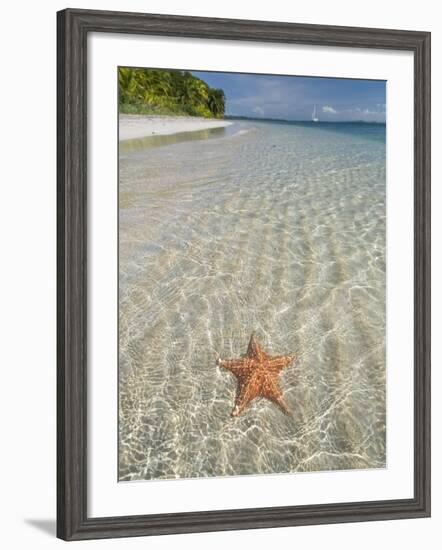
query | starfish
(257,375)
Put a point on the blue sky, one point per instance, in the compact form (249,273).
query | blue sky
(293,97)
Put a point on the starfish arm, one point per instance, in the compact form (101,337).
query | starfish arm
(245,395)
(239,367)
(254,350)
(272,392)
(277,364)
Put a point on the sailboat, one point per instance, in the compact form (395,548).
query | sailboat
(314,117)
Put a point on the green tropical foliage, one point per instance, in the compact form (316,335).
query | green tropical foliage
(156,91)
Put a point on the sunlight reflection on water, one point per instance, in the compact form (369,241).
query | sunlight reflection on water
(277,229)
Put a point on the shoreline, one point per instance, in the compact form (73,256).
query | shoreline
(141,126)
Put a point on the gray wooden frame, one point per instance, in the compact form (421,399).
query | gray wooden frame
(73,27)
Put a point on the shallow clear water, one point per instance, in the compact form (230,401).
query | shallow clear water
(272,228)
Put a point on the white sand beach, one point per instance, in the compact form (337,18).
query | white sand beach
(139,126)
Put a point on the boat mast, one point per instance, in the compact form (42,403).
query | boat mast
(314,117)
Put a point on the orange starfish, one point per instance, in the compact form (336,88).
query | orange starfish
(257,375)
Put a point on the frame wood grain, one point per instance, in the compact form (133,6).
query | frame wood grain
(73,27)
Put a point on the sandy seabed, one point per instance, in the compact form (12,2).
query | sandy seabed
(273,228)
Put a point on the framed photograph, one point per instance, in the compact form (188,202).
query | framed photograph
(243,274)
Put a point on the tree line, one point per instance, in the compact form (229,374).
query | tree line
(155,91)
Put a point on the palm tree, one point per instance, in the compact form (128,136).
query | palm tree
(156,86)
(169,91)
(194,94)
(127,84)
(216,102)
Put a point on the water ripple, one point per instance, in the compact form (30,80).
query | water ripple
(280,230)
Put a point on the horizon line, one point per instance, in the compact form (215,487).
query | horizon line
(306,120)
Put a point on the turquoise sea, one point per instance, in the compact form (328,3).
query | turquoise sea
(276,228)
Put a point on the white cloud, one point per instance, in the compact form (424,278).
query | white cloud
(329,109)
(292,99)
(364,113)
